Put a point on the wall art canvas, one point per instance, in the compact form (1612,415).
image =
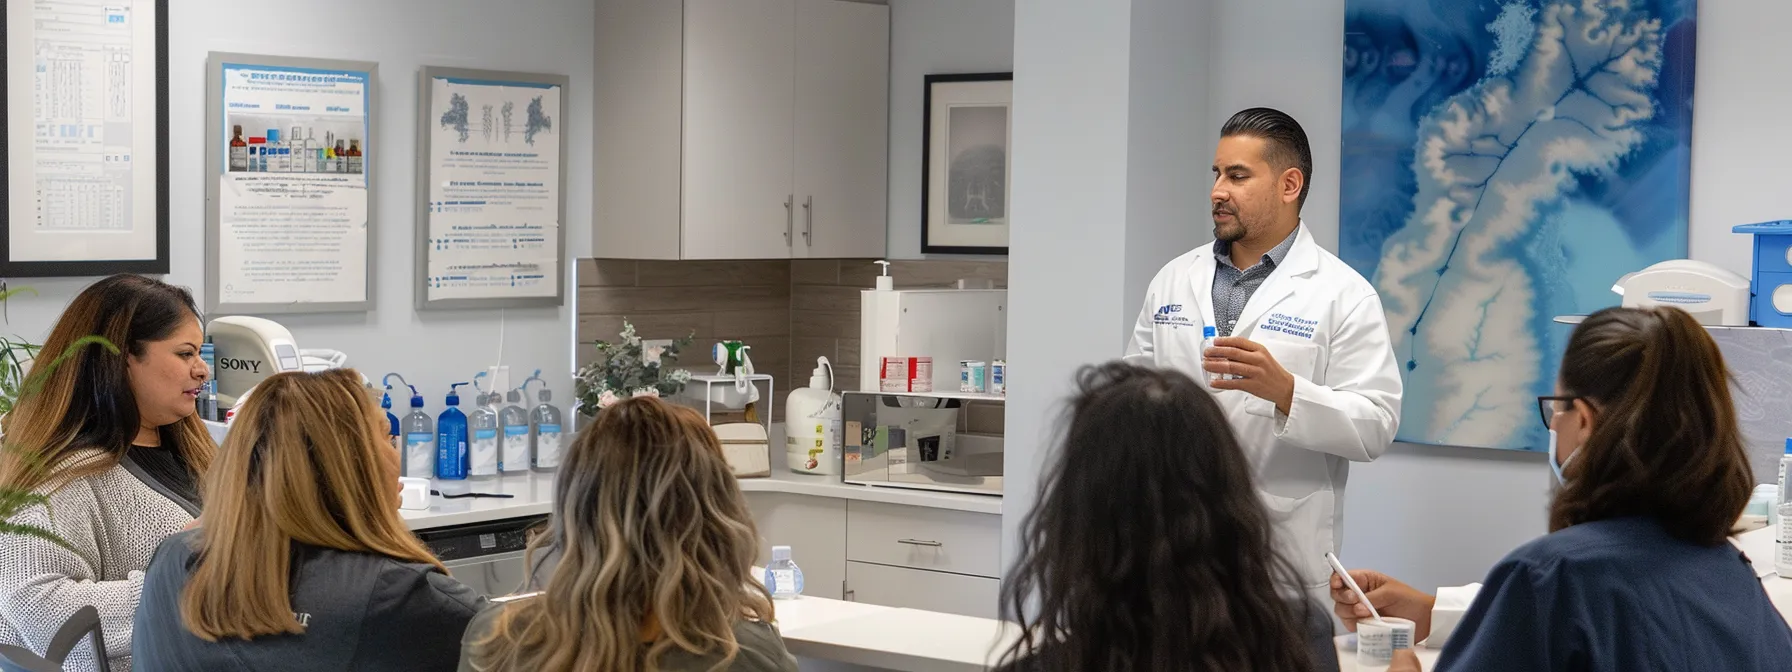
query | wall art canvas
(1505,164)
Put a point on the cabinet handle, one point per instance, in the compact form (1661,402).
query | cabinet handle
(918,542)
(809,220)
(789,218)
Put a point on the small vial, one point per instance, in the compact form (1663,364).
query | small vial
(782,577)
(1208,333)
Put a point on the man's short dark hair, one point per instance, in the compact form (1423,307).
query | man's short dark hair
(1285,144)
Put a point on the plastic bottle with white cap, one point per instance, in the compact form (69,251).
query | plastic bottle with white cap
(884,281)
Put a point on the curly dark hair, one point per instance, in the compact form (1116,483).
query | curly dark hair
(1149,548)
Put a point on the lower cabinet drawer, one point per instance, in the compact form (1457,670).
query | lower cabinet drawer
(923,538)
(921,589)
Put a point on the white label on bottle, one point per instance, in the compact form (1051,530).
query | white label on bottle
(547,447)
(484,459)
(1782,561)
(419,455)
(354,164)
(515,456)
(239,158)
(783,581)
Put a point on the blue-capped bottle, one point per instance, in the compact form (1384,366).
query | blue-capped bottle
(513,449)
(482,452)
(451,439)
(392,434)
(419,440)
(1208,333)
(544,421)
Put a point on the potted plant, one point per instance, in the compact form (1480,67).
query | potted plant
(630,368)
(19,379)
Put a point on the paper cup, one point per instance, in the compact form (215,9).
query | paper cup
(1377,642)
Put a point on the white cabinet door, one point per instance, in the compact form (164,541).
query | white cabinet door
(933,539)
(921,589)
(842,128)
(739,65)
(815,530)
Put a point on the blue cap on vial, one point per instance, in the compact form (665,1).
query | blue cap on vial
(1209,332)
(1789,446)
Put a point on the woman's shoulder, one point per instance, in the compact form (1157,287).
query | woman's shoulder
(761,650)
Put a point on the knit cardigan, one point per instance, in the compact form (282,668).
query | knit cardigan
(114,521)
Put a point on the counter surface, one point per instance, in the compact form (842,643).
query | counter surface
(534,495)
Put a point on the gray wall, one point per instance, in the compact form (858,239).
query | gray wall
(400,35)
(933,37)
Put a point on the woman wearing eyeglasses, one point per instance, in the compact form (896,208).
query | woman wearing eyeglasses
(1636,572)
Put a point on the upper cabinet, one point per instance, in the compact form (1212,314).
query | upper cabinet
(741,129)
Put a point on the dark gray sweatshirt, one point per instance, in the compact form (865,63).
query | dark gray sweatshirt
(360,611)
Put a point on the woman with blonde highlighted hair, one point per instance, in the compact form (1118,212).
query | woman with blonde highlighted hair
(300,560)
(650,547)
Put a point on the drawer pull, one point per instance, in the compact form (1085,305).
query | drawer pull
(918,542)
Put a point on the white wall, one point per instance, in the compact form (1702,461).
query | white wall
(1739,140)
(431,349)
(930,37)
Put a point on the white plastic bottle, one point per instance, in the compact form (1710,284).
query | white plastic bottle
(483,449)
(1208,333)
(513,450)
(1782,557)
(419,440)
(812,424)
(544,423)
(782,577)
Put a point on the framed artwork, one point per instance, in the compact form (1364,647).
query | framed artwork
(290,199)
(1503,164)
(491,189)
(965,132)
(84,155)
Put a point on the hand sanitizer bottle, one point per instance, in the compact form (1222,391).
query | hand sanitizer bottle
(782,577)
(544,422)
(451,439)
(513,451)
(419,440)
(483,454)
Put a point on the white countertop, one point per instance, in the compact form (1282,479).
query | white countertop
(534,496)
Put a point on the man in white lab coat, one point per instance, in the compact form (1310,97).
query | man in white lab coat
(1302,362)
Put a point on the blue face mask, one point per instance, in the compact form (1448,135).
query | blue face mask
(1555,466)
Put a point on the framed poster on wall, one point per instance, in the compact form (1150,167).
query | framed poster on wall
(965,133)
(491,189)
(84,156)
(290,152)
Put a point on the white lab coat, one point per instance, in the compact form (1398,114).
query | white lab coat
(1323,322)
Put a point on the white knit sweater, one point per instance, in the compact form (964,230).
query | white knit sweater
(114,521)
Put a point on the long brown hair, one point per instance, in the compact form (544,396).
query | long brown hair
(1666,444)
(1149,548)
(79,419)
(654,543)
(304,462)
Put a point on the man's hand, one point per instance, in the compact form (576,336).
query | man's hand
(1262,376)
(1390,597)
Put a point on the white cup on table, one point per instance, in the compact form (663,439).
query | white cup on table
(1376,642)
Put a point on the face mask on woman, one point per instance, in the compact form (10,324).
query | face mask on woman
(1555,466)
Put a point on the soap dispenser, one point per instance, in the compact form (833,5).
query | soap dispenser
(812,424)
(451,439)
(884,281)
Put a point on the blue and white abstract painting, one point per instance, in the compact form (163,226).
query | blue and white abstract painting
(1505,163)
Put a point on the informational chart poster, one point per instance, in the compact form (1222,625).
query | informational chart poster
(491,189)
(84,171)
(292,158)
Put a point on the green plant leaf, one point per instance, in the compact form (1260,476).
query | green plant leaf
(34,531)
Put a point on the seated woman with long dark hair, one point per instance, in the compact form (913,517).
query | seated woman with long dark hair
(1149,548)
(1637,572)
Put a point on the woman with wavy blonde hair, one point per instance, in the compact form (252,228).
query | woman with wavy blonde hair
(652,546)
(300,560)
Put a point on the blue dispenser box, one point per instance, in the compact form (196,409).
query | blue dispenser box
(1771,283)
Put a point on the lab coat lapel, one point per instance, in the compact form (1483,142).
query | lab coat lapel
(1296,269)
(1203,285)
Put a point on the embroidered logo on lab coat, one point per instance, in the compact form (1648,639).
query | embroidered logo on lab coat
(1288,324)
(1171,315)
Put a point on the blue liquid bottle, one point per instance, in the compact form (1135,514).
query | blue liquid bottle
(451,439)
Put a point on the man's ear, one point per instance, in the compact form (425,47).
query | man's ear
(1291,183)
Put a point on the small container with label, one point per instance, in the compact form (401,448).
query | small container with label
(920,374)
(970,376)
(998,377)
(783,579)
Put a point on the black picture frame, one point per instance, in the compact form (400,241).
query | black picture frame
(931,242)
(93,267)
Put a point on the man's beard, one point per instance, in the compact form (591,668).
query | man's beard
(1230,231)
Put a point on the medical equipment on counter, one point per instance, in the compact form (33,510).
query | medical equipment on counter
(946,325)
(1714,296)
(1772,279)
(249,350)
